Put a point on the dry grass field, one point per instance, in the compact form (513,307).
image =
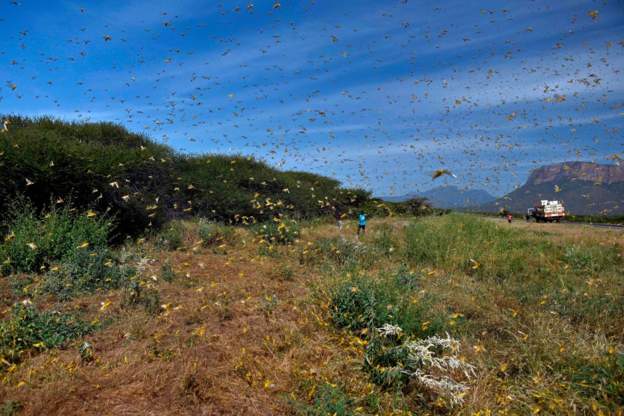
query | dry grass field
(516,319)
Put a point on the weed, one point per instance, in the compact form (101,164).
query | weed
(283,273)
(212,234)
(86,272)
(29,329)
(393,360)
(279,231)
(171,237)
(344,253)
(382,239)
(167,273)
(138,293)
(329,400)
(34,241)
(592,259)
(364,303)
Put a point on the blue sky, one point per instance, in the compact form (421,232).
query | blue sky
(376,93)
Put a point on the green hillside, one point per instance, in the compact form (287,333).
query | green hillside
(142,184)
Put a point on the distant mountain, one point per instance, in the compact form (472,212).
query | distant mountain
(449,197)
(584,187)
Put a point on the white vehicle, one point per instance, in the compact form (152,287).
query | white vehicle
(547,211)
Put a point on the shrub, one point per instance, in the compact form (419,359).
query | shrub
(28,329)
(329,400)
(393,360)
(140,294)
(151,183)
(35,241)
(172,237)
(86,272)
(279,231)
(167,273)
(363,303)
(212,233)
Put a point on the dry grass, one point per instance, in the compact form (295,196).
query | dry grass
(245,333)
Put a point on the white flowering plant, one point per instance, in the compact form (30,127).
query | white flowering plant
(394,361)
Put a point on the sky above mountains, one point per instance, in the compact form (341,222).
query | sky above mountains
(376,93)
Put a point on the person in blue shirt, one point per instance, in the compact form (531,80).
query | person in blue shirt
(361,223)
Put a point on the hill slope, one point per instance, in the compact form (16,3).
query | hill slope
(585,187)
(102,166)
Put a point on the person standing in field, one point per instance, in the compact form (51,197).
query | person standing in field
(361,223)
(509,218)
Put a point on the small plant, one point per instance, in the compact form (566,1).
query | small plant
(171,237)
(86,272)
(329,400)
(29,329)
(87,354)
(284,273)
(138,293)
(279,231)
(364,303)
(213,234)
(433,363)
(167,273)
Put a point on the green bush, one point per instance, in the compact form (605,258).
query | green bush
(329,400)
(29,329)
(35,241)
(138,293)
(167,273)
(212,234)
(279,231)
(171,237)
(86,272)
(364,303)
(143,184)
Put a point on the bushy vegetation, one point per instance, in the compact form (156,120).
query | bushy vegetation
(171,237)
(69,248)
(29,329)
(34,241)
(329,400)
(102,166)
(214,234)
(365,303)
(278,231)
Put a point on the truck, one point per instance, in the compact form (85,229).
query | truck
(547,211)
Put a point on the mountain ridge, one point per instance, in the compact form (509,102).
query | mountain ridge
(586,188)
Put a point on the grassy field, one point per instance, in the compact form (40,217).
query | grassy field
(450,314)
